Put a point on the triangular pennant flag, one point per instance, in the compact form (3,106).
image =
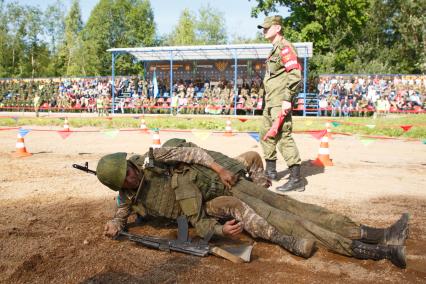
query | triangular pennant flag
(406,127)
(110,132)
(15,118)
(308,122)
(64,134)
(243,119)
(109,118)
(319,134)
(254,135)
(62,118)
(424,141)
(23,131)
(136,117)
(371,126)
(366,141)
(201,134)
(335,123)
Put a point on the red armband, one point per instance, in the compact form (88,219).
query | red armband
(289,59)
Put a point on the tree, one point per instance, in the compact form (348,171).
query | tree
(118,23)
(211,26)
(184,32)
(69,50)
(54,24)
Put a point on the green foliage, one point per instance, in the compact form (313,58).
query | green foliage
(357,36)
(118,23)
(207,28)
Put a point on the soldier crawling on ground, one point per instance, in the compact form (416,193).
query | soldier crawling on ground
(206,186)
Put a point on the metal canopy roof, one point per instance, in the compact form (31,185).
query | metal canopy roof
(208,52)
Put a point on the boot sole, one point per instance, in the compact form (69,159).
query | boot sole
(402,234)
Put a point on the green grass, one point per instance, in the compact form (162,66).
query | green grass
(387,126)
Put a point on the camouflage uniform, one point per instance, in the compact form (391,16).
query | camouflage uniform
(192,189)
(282,78)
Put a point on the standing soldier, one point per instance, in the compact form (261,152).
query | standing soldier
(282,79)
(100,105)
(36,102)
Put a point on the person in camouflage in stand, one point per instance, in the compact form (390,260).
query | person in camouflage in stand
(281,81)
(207,186)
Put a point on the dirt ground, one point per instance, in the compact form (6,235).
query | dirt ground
(52,216)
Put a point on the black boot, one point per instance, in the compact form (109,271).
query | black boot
(393,235)
(295,182)
(396,254)
(300,247)
(271,169)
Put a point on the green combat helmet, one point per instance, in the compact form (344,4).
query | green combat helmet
(111,170)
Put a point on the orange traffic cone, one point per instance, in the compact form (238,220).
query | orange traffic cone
(143,125)
(156,139)
(228,128)
(323,159)
(66,126)
(21,151)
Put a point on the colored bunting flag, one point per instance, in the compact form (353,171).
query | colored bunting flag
(335,123)
(371,126)
(15,118)
(319,134)
(23,131)
(201,134)
(424,141)
(366,141)
(136,117)
(254,135)
(64,134)
(111,132)
(406,127)
(243,119)
(109,118)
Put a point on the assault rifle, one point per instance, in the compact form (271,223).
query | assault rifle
(185,245)
(182,244)
(84,168)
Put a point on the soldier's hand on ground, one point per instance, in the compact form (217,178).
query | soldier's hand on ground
(111,230)
(232,228)
(285,107)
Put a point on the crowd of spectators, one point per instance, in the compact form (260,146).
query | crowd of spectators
(361,95)
(338,95)
(132,95)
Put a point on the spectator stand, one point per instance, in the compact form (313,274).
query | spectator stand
(235,52)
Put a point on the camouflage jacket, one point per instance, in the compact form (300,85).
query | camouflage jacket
(172,188)
(283,74)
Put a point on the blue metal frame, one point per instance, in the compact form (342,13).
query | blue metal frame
(235,81)
(113,82)
(114,53)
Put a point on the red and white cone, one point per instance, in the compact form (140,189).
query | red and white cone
(228,128)
(156,139)
(323,159)
(66,125)
(143,125)
(21,151)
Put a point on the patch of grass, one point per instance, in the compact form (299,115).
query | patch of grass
(384,126)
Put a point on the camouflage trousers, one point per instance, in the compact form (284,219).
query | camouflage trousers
(224,207)
(283,141)
(254,167)
(301,220)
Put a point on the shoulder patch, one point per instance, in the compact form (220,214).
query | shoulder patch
(289,59)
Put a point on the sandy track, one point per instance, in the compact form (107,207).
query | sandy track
(52,216)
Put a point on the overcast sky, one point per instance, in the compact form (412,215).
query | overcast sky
(166,13)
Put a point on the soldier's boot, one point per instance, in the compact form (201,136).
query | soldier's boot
(300,247)
(295,183)
(271,169)
(396,254)
(395,234)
